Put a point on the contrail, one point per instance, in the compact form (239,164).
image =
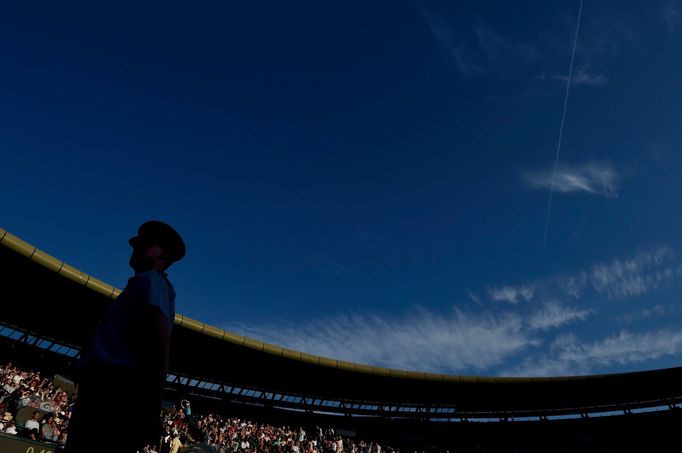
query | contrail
(561,127)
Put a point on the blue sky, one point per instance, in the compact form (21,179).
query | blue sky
(367,181)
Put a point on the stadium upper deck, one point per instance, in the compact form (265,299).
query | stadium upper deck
(53,305)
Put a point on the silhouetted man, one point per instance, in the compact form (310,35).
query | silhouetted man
(123,369)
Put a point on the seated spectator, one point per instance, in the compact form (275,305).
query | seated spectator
(61,440)
(8,385)
(33,422)
(24,398)
(11,428)
(47,430)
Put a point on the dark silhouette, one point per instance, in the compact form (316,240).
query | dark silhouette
(122,370)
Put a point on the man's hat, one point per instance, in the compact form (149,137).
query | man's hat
(160,233)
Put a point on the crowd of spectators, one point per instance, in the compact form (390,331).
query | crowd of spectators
(52,406)
(230,435)
(52,409)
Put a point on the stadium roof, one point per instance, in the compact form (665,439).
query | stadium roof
(45,295)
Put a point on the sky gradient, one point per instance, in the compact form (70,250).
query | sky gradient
(366,181)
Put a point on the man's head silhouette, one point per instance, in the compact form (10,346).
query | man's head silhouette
(156,246)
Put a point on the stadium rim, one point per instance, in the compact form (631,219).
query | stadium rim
(65,270)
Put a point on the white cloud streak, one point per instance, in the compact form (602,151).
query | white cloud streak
(634,276)
(573,285)
(457,49)
(497,48)
(592,177)
(624,348)
(621,278)
(484,341)
(511,294)
(421,341)
(474,297)
(553,314)
(568,355)
(656,310)
(484,52)
(582,76)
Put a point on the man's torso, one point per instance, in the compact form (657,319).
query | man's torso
(116,341)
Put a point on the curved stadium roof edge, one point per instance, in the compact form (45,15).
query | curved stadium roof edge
(69,272)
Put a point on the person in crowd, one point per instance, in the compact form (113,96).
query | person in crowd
(33,423)
(127,359)
(176,444)
(63,436)
(186,408)
(166,439)
(11,428)
(48,428)
(27,398)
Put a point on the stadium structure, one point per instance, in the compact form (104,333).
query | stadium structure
(49,309)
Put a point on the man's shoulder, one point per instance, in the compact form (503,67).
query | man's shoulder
(151,277)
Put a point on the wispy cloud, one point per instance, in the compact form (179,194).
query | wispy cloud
(672,16)
(655,311)
(634,276)
(569,355)
(620,278)
(458,50)
(497,48)
(474,297)
(553,314)
(623,348)
(582,76)
(511,294)
(487,339)
(592,177)
(477,49)
(573,286)
(423,340)
(607,33)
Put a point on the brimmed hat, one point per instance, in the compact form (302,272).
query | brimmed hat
(162,234)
